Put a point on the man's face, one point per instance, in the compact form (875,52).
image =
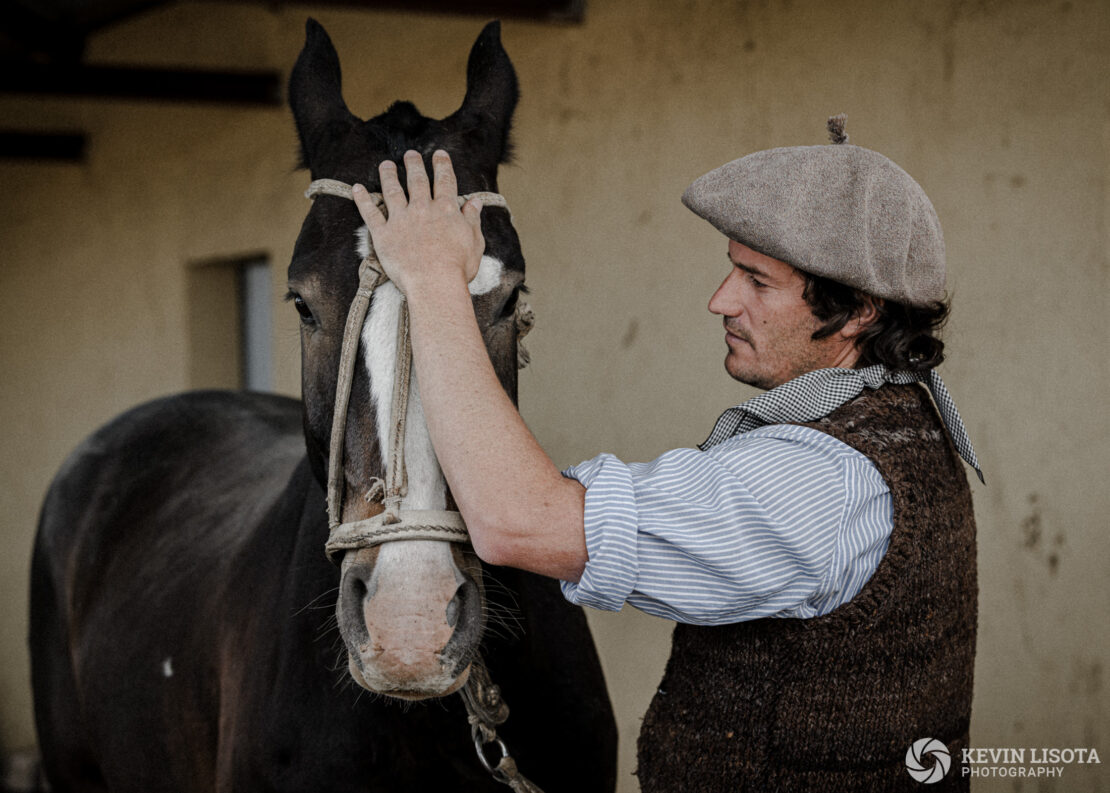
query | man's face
(768,324)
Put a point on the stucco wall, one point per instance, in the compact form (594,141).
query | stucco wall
(998,108)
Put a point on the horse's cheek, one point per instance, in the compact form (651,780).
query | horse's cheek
(500,342)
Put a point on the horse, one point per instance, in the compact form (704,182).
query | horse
(185,621)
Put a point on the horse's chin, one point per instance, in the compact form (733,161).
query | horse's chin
(440,686)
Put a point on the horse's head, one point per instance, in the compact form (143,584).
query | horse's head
(410,612)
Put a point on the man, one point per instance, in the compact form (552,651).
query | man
(818,549)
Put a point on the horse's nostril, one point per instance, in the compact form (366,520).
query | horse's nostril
(464,616)
(464,612)
(353,591)
(454,606)
(358,583)
(357,589)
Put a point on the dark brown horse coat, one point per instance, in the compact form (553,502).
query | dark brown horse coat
(183,631)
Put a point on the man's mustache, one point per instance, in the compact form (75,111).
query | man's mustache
(736,331)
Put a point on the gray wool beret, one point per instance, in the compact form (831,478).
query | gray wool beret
(838,211)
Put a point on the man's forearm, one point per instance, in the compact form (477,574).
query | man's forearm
(520,510)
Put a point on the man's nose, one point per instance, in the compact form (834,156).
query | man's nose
(726,301)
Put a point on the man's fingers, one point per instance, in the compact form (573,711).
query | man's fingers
(446,186)
(472,211)
(419,190)
(371,215)
(392,192)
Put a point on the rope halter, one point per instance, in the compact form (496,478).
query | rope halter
(485,708)
(393,522)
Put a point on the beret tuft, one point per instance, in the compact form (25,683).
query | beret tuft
(837,211)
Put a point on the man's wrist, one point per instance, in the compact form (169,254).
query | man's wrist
(439,298)
(433,281)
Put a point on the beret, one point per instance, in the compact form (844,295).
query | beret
(838,211)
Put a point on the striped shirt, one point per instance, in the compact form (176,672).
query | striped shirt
(780,521)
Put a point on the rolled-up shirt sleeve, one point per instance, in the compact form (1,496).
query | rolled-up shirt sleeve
(783,521)
(611,521)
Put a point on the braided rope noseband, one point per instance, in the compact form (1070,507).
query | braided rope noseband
(485,707)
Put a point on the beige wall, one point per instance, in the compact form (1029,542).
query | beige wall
(998,108)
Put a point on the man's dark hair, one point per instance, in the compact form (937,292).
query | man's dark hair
(901,337)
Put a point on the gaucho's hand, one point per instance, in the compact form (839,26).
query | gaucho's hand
(426,239)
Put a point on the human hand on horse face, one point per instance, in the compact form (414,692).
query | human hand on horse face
(426,240)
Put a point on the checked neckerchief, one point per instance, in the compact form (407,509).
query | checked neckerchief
(815,394)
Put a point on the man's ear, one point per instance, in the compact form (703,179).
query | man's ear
(866,316)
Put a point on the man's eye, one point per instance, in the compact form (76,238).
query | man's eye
(755,281)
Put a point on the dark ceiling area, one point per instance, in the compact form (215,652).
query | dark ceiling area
(42,47)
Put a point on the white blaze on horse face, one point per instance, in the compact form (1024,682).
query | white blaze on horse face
(426,485)
(488,277)
(414,580)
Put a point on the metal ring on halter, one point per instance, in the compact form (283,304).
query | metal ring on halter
(479,746)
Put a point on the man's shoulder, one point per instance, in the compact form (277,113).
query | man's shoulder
(790,444)
(892,411)
(804,435)
(790,464)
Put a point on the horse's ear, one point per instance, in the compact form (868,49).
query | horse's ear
(491,95)
(316,97)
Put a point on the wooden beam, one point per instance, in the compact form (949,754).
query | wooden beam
(57,146)
(547,10)
(122,82)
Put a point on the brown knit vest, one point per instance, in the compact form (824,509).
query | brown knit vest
(833,703)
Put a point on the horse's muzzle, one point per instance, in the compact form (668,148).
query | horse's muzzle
(410,618)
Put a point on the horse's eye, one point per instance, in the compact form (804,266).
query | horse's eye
(509,308)
(302,308)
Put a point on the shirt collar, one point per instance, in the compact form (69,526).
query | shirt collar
(815,394)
